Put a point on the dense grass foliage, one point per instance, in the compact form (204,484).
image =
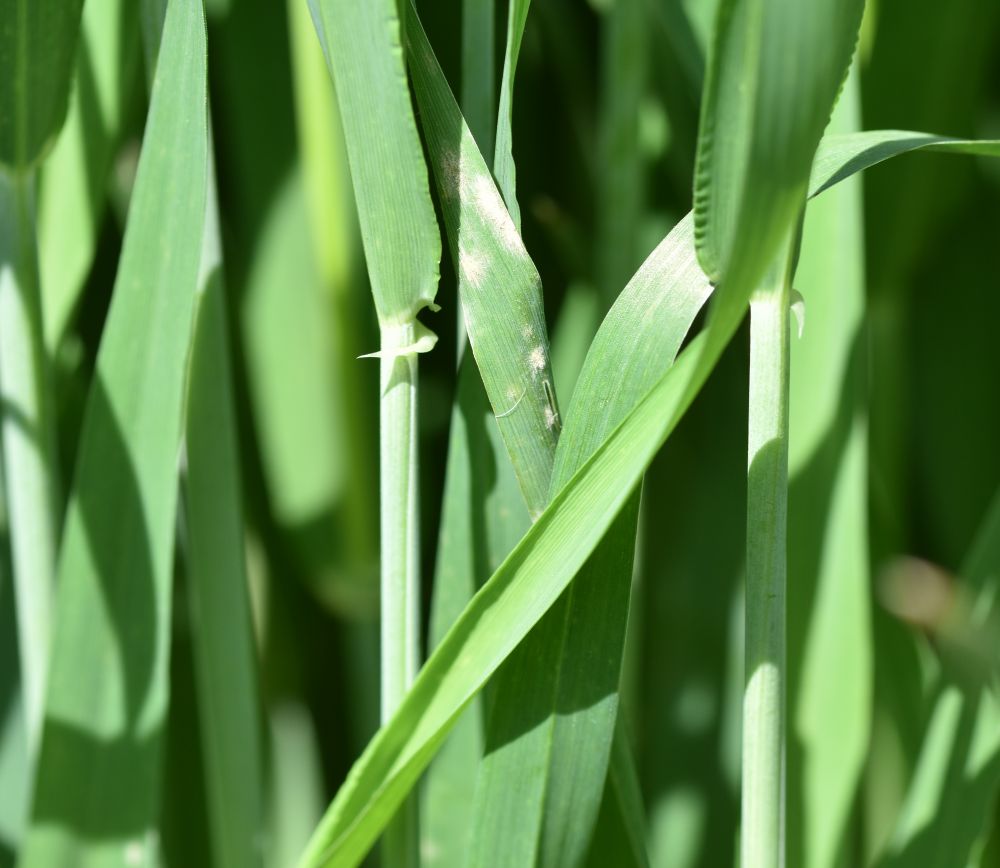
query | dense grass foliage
(682,550)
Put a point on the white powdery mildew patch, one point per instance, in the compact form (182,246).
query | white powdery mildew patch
(491,208)
(551,418)
(473,266)
(528,332)
(536,361)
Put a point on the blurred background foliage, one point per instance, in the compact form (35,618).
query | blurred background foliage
(604,134)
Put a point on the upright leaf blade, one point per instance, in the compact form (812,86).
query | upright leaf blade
(398,227)
(774,72)
(96,796)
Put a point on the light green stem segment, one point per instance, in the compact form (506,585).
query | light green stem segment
(400,555)
(28,441)
(767,511)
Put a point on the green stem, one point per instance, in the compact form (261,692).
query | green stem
(767,508)
(400,556)
(28,441)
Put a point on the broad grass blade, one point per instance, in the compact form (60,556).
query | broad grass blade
(620,836)
(98,779)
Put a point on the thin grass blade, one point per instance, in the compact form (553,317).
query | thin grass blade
(222,637)
(503,161)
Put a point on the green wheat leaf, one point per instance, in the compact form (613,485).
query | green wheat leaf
(500,289)
(398,226)
(773,74)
